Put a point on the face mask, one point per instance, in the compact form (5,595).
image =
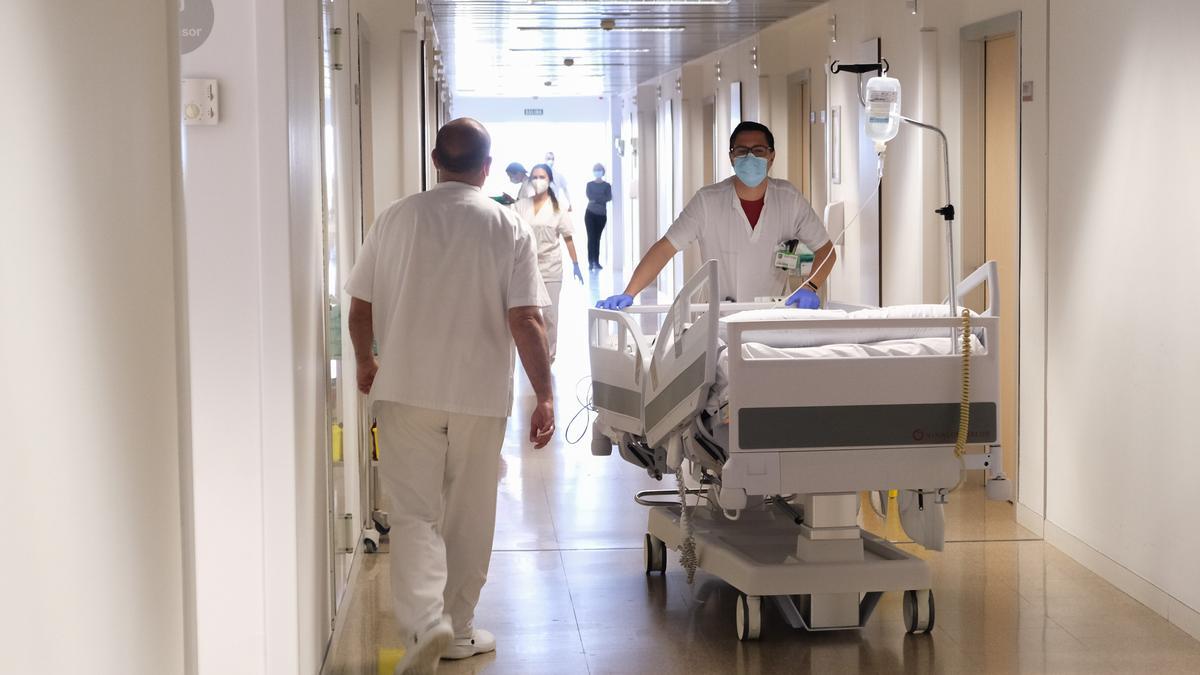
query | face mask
(750,170)
(516,180)
(549,161)
(598,173)
(540,185)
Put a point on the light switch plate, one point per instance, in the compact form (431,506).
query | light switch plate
(200,102)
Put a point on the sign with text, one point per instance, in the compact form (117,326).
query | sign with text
(195,24)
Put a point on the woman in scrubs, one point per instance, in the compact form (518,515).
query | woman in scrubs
(549,220)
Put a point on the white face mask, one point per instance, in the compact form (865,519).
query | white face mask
(540,185)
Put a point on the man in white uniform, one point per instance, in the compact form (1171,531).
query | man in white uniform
(740,222)
(519,177)
(559,183)
(447,281)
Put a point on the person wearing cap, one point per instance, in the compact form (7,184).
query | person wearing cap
(519,177)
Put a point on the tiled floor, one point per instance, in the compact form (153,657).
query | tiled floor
(567,592)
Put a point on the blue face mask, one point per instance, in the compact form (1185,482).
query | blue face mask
(750,170)
(598,174)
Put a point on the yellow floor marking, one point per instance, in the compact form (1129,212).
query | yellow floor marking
(388,658)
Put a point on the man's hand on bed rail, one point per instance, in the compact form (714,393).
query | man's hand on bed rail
(617,302)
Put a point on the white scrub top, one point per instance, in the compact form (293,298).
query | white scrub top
(560,189)
(745,256)
(547,226)
(441,269)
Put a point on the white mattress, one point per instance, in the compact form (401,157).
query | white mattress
(835,335)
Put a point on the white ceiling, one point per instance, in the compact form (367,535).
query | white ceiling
(486,52)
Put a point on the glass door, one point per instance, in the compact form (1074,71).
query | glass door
(340,545)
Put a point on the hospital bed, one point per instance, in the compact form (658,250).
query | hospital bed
(776,420)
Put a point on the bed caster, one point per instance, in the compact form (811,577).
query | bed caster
(654,552)
(380,518)
(918,612)
(749,616)
(998,489)
(370,541)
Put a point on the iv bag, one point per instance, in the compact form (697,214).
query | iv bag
(883,110)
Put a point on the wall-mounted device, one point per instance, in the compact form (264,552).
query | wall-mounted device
(200,102)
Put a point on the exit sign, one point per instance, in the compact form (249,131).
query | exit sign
(534,112)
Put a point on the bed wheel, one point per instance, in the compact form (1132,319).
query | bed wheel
(380,518)
(654,552)
(749,616)
(918,612)
(370,541)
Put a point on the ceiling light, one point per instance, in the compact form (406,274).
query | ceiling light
(630,2)
(613,50)
(615,29)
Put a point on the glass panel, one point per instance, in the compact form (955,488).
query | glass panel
(331,205)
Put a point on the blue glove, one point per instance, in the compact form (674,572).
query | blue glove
(617,302)
(804,299)
(578,274)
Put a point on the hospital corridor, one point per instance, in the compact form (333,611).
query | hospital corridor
(599,337)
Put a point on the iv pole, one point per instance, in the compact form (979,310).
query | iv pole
(947,211)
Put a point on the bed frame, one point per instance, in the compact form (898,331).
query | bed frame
(805,436)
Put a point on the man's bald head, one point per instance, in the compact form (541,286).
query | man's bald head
(462,147)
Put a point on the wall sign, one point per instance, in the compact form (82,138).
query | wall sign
(195,24)
(534,112)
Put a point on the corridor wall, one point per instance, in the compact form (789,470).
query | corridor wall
(92,571)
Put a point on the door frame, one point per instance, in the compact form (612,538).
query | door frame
(972,241)
(802,78)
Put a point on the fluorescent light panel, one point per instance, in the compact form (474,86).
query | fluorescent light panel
(611,50)
(618,29)
(610,3)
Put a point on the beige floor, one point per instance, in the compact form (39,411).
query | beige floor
(567,592)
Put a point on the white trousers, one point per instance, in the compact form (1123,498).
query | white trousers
(550,315)
(440,470)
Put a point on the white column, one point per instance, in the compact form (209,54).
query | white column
(92,571)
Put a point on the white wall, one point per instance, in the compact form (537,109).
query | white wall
(257,404)
(91,570)
(1121,388)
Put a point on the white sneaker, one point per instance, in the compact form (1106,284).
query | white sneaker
(421,656)
(481,642)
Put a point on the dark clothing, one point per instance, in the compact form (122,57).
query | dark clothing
(595,227)
(599,194)
(753,210)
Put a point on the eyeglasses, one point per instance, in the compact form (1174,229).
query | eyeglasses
(740,151)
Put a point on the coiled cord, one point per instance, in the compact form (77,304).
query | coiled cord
(964,406)
(687,548)
(586,408)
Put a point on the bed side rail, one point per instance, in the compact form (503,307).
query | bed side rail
(683,366)
(618,353)
(987,272)
(854,395)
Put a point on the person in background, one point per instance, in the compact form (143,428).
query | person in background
(517,176)
(549,220)
(559,183)
(599,194)
(442,385)
(741,222)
